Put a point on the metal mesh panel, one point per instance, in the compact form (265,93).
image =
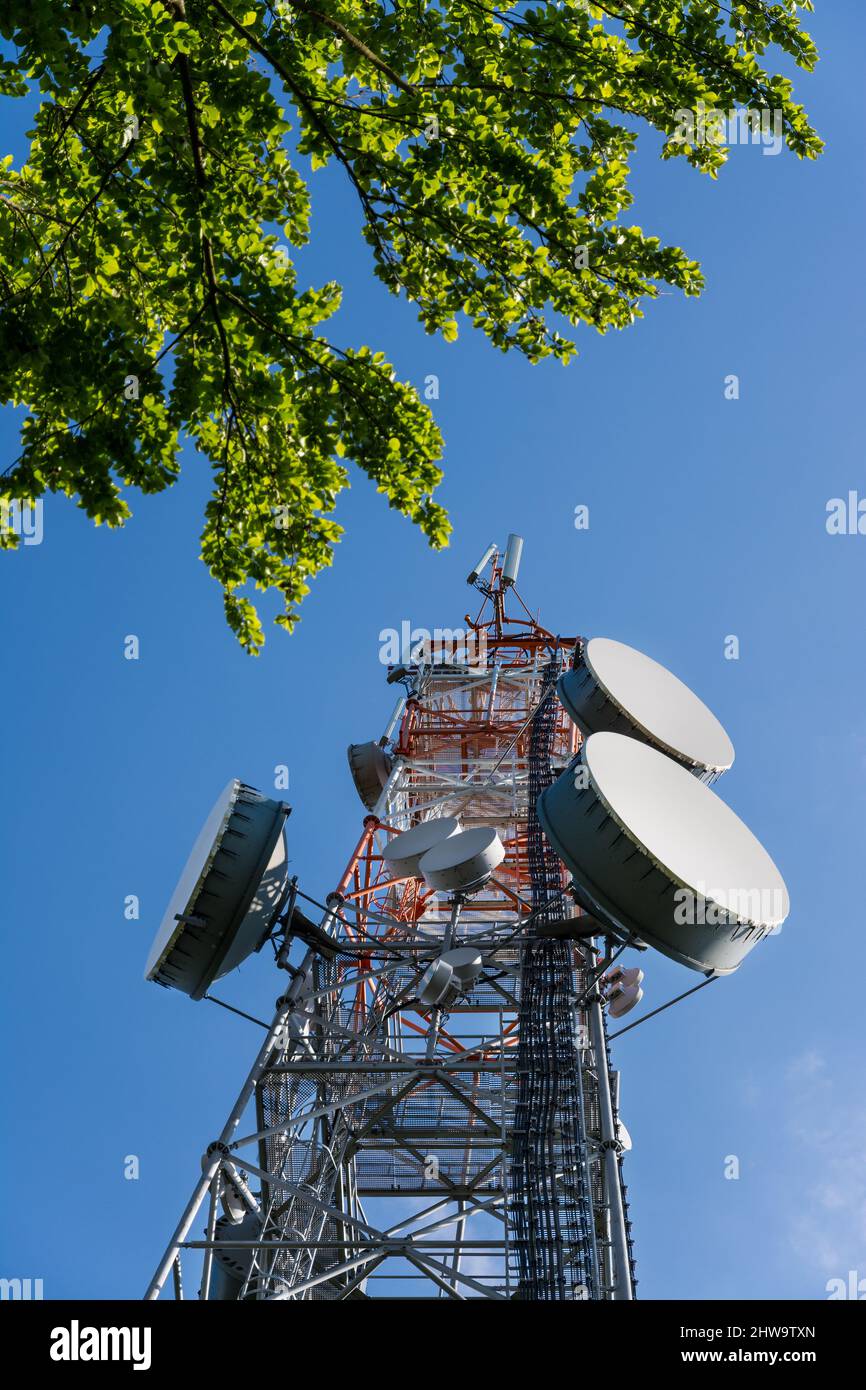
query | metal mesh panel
(390,1169)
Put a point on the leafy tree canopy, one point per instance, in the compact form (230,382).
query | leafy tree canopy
(148,288)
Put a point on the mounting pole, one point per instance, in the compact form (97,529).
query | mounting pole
(622,1289)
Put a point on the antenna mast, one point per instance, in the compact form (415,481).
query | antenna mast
(433,1111)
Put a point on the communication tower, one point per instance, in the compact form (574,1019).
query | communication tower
(433,1111)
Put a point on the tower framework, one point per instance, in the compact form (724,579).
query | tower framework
(384,1147)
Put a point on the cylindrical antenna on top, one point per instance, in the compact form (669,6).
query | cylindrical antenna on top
(511,564)
(485,559)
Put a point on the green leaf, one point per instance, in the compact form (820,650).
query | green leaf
(147,303)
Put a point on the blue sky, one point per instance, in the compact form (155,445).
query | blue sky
(707,518)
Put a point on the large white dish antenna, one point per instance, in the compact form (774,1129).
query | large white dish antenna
(228,895)
(662,855)
(463,862)
(616,689)
(404,853)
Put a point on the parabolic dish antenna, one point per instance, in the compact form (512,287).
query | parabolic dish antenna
(463,862)
(231,1266)
(370,767)
(404,853)
(662,855)
(616,689)
(449,975)
(623,1136)
(228,895)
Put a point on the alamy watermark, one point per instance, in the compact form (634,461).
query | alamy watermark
(23,1289)
(853,1287)
(77,1343)
(715,907)
(741,126)
(22,518)
(443,646)
(846,516)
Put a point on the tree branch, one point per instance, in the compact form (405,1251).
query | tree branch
(356,43)
(304,102)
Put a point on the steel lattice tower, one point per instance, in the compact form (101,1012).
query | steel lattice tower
(382,1148)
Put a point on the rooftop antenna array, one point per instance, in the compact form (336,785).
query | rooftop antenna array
(433,1110)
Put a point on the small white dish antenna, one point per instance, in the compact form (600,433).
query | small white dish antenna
(435,982)
(623,1136)
(622,999)
(624,976)
(404,853)
(463,862)
(370,767)
(466,964)
(452,974)
(232,1266)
